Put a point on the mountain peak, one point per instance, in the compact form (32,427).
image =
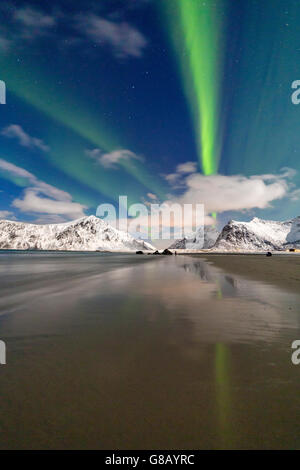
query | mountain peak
(89,233)
(198,240)
(259,235)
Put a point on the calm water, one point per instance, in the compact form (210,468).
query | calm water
(119,351)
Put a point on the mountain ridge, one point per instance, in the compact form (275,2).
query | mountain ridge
(88,233)
(197,241)
(259,235)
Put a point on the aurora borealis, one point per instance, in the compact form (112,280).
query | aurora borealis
(151,85)
(195,32)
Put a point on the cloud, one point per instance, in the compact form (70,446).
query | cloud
(187,167)
(40,197)
(16,170)
(152,196)
(112,159)
(23,24)
(172,178)
(217,193)
(94,153)
(14,131)
(33,22)
(27,24)
(124,40)
(295,195)
(221,193)
(34,201)
(5,214)
(175,179)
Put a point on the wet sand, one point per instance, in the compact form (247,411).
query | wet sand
(280,270)
(127,352)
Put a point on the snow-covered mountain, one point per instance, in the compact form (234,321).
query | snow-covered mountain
(259,235)
(91,234)
(198,241)
(85,234)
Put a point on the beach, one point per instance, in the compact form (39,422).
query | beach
(118,351)
(282,270)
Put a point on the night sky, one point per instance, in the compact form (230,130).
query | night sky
(184,100)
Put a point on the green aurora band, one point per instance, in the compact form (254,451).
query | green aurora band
(194,28)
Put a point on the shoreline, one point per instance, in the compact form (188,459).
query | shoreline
(146,252)
(279,270)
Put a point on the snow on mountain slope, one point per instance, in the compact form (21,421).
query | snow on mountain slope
(85,234)
(197,241)
(259,235)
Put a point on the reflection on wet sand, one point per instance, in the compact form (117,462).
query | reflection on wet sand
(155,353)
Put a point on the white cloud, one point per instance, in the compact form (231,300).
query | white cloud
(5,214)
(112,159)
(34,201)
(42,198)
(94,153)
(187,167)
(172,178)
(28,23)
(16,170)
(183,169)
(152,196)
(34,18)
(220,193)
(21,25)
(295,195)
(124,39)
(33,22)
(14,131)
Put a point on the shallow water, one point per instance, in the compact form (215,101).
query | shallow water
(123,351)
